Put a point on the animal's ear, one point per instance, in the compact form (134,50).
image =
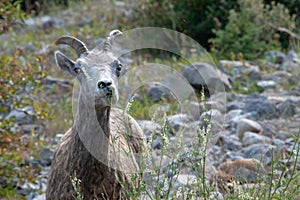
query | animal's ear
(65,63)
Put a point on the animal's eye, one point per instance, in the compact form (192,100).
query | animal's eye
(119,67)
(77,70)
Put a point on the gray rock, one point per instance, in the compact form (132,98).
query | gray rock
(287,108)
(32,128)
(178,123)
(150,128)
(232,155)
(45,22)
(25,139)
(23,115)
(158,92)
(230,142)
(282,135)
(246,125)
(212,115)
(215,119)
(261,105)
(57,138)
(216,195)
(235,105)
(194,109)
(34,164)
(46,156)
(276,57)
(262,152)
(250,138)
(157,144)
(232,115)
(266,84)
(186,179)
(279,76)
(278,143)
(3,182)
(35,196)
(239,70)
(29,47)
(214,105)
(291,61)
(213,81)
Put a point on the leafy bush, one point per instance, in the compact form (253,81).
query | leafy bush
(198,19)
(251,29)
(192,17)
(9,14)
(37,6)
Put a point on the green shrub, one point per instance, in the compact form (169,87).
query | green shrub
(9,14)
(192,17)
(198,19)
(251,29)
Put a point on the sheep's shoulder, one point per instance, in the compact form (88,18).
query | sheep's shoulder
(123,126)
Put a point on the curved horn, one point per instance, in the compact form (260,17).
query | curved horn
(109,39)
(73,42)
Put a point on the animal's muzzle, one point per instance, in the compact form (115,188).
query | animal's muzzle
(106,87)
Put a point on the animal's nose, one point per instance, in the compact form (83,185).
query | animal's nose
(104,84)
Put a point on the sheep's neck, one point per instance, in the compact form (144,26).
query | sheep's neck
(95,118)
(103,119)
(92,124)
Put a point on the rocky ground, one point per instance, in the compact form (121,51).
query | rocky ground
(256,118)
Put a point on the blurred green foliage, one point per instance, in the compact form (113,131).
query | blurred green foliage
(37,6)
(250,30)
(226,26)
(192,17)
(10,12)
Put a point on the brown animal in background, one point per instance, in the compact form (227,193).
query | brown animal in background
(224,183)
(101,148)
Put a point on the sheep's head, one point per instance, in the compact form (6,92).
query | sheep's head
(96,70)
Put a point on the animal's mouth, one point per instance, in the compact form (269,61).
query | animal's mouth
(109,95)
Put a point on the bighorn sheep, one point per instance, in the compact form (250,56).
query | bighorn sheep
(95,149)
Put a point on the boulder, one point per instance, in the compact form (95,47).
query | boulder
(260,104)
(205,76)
(247,125)
(262,152)
(287,108)
(266,84)
(179,123)
(45,22)
(23,115)
(186,179)
(250,138)
(291,62)
(150,128)
(276,57)
(241,71)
